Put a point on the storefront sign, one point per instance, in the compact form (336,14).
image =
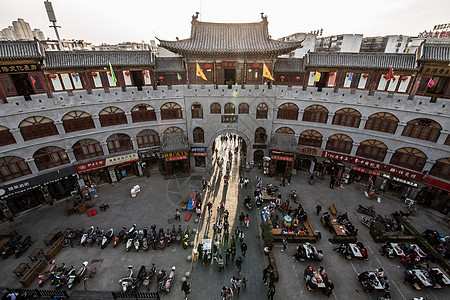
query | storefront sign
(176,158)
(116,160)
(337,156)
(86,167)
(175,154)
(402,180)
(285,158)
(198,151)
(368,163)
(259,146)
(437,183)
(229,119)
(230,64)
(364,170)
(404,173)
(437,70)
(309,150)
(18,68)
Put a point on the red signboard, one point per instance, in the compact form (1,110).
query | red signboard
(176,158)
(337,156)
(286,158)
(437,183)
(404,172)
(368,163)
(86,167)
(230,64)
(365,170)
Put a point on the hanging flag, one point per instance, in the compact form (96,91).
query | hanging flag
(390,75)
(350,76)
(112,74)
(200,73)
(76,76)
(33,81)
(430,83)
(266,73)
(179,76)
(317,78)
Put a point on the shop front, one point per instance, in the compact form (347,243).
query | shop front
(362,170)
(436,195)
(402,182)
(281,163)
(335,164)
(307,158)
(198,155)
(176,163)
(150,160)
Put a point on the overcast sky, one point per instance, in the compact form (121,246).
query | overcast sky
(114,21)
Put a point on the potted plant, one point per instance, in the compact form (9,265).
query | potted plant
(267,234)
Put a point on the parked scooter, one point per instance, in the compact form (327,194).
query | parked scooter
(10,247)
(173,235)
(119,237)
(75,276)
(145,239)
(58,271)
(294,196)
(162,241)
(44,277)
(169,280)
(141,275)
(130,241)
(149,276)
(366,221)
(129,233)
(128,283)
(86,234)
(369,210)
(107,237)
(82,270)
(64,277)
(161,276)
(153,237)
(187,232)
(137,240)
(248,202)
(168,238)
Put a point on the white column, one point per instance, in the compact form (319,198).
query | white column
(105,148)
(400,128)
(388,156)
(32,165)
(300,114)
(428,165)
(363,122)
(330,118)
(324,143)
(17,135)
(60,127)
(96,119)
(135,143)
(158,114)
(354,149)
(443,137)
(71,156)
(129,118)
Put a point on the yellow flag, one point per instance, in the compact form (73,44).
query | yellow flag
(200,72)
(317,78)
(266,73)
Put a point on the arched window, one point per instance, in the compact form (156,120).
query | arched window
(215,108)
(243,108)
(6,137)
(170,111)
(310,138)
(119,142)
(199,135)
(315,113)
(340,143)
(285,130)
(372,149)
(111,115)
(262,111)
(382,121)
(50,157)
(423,129)
(347,117)
(229,108)
(441,168)
(77,120)
(143,113)
(260,135)
(37,127)
(197,111)
(173,129)
(13,167)
(87,148)
(148,138)
(288,111)
(410,158)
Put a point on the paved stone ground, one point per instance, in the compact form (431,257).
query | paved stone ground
(156,204)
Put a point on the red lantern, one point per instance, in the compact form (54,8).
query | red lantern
(385,77)
(207,67)
(348,74)
(127,73)
(297,78)
(282,77)
(255,65)
(94,74)
(52,76)
(109,73)
(143,72)
(161,78)
(404,77)
(430,188)
(365,75)
(73,74)
(332,73)
(439,192)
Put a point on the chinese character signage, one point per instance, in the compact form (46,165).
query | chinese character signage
(198,151)
(18,68)
(437,70)
(176,158)
(230,119)
(364,170)
(404,173)
(309,150)
(230,64)
(116,160)
(98,164)
(175,154)
(368,163)
(285,158)
(337,156)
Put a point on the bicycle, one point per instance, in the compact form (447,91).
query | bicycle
(91,274)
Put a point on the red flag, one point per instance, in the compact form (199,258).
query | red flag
(33,81)
(390,75)
(430,83)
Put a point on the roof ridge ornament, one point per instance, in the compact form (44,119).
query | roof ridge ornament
(263,17)
(195,18)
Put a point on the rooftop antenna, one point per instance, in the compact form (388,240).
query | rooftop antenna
(52,18)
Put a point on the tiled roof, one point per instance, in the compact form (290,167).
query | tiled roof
(169,64)
(283,142)
(16,50)
(294,65)
(434,53)
(214,38)
(173,142)
(95,59)
(379,61)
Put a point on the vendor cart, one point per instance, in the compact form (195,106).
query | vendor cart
(206,248)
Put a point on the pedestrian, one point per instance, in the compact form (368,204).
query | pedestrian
(241,182)
(244,282)
(329,286)
(229,293)
(236,232)
(199,212)
(282,181)
(242,219)
(222,206)
(227,256)
(226,226)
(271,292)
(177,215)
(209,206)
(238,285)
(204,184)
(289,179)
(318,209)
(186,288)
(317,234)
(246,182)
(225,238)
(239,264)
(233,281)
(332,182)
(243,249)
(233,252)
(285,242)
(247,220)
(225,215)
(241,236)
(223,293)
(265,274)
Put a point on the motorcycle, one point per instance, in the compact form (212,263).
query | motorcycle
(119,237)
(141,275)
(128,283)
(75,276)
(137,240)
(145,239)
(179,231)
(168,237)
(130,241)
(161,276)
(148,278)
(294,196)
(169,280)
(107,237)
(248,202)
(20,249)
(162,241)
(63,278)
(57,272)
(86,234)
(129,233)
(173,235)
(82,271)
(100,235)
(187,232)
(43,277)
(69,238)
(153,237)
(369,210)
(366,221)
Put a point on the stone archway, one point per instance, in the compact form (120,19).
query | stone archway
(223,131)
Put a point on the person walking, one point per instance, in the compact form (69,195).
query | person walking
(247,220)
(186,288)
(199,212)
(227,256)
(271,291)
(239,264)
(265,275)
(285,242)
(318,209)
(209,184)
(238,286)
(242,219)
(329,286)
(243,249)
(177,215)
(241,236)
(332,182)
(209,206)
(282,181)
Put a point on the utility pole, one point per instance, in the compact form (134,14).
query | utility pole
(52,18)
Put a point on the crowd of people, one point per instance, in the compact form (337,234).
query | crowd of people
(433,276)
(318,279)
(375,280)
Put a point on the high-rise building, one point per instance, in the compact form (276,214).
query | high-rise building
(21,30)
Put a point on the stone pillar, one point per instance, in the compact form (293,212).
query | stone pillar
(443,137)
(388,156)
(96,119)
(363,122)
(105,148)
(17,135)
(71,156)
(135,143)
(428,165)
(158,114)
(330,118)
(60,127)
(129,119)
(354,149)
(300,114)
(324,143)
(399,130)
(32,165)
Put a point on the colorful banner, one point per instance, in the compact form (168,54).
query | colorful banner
(404,172)
(116,160)
(368,163)
(337,156)
(94,165)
